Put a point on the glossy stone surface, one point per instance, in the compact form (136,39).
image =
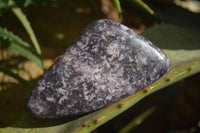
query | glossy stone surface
(107,62)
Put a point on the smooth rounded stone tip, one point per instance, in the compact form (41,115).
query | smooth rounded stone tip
(107,62)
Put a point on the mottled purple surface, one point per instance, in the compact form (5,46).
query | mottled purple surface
(107,62)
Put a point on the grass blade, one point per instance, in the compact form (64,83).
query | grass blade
(141,4)
(23,19)
(144,6)
(12,42)
(118,6)
(16,76)
(24,51)
(11,37)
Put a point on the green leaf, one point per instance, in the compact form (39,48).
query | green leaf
(10,36)
(144,6)
(23,19)
(6,4)
(177,15)
(118,6)
(175,42)
(14,43)
(25,52)
(139,3)
(16,76)
(2,4)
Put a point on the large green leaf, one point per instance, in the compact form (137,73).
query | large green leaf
(182,47)
(175,14)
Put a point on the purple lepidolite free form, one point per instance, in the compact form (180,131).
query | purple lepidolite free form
(107,62)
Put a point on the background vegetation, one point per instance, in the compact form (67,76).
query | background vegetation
(33,33)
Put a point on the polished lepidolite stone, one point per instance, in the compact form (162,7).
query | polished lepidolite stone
(107,62)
